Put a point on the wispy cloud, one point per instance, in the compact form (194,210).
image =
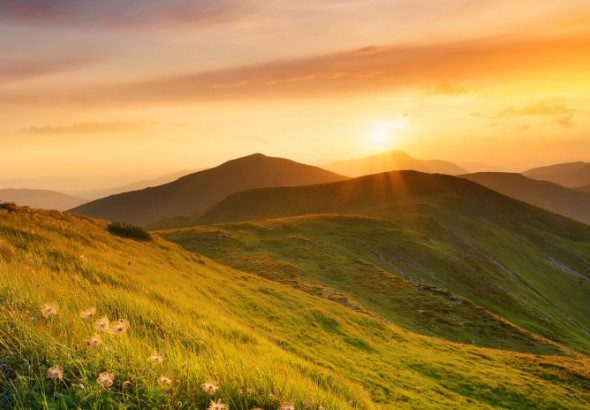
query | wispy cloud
(257,138)
(89,128)
(15,69)
(565,121)
(557,112)
(367,70)
(119,14)
(536,108)
(446,88)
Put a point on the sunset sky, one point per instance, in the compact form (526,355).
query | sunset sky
(126,89)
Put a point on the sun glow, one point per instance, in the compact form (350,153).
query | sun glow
(380,134)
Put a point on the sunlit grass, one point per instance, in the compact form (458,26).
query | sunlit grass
(197,333)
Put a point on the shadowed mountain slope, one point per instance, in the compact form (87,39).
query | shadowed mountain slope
(189,320)
(197,192)
(40,198)
(570,175)
(572,203)
(392,161)
(520,262)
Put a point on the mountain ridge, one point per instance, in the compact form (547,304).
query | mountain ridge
(571,203)
(569,174)
(198,191)
(391,161)
(40,198)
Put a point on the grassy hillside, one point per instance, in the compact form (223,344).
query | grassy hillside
(187,321)
(571,174)
(198,191)
(40,198)
(392,161)
(571,203)
(521,263)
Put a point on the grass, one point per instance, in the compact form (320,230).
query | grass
(264,343)
(431,286)
(402,244)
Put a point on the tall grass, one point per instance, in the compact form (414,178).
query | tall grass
(264,344)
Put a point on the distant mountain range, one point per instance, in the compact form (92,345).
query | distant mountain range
(198,191)
(573,203)
(40,198)
(392,161)
(572,174)
(134,186)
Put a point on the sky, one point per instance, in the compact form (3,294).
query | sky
(120,90)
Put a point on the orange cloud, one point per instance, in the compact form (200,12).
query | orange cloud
(565,121)
(89,128)
(121,14)
(536,108)
(492,61)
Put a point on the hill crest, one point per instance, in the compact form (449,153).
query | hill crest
(392,161)
(198,191)
(40,198)
(571,203)
(570,174)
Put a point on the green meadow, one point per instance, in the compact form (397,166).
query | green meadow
(268,342)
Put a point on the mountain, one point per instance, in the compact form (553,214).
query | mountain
(198,191)
(364,237)
(392,161)
(473,167)
(40,198)
(187,320)
(571,174)
(134,186)
(572,203)
(585,188)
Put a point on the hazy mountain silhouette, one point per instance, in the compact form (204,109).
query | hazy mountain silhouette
(571,174)
(134,186)
(392,161)
(40,198)
(585,188)
(572,203)
(198,191)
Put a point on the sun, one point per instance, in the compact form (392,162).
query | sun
(380,134)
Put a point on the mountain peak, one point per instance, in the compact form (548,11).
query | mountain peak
(196,192)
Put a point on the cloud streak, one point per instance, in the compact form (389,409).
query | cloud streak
(16,69)
(541,108)
(89,128)
(119,14)
(367,70)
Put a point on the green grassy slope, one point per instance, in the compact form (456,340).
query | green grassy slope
(570,203)
(521,263)
(198,191)
(263,343)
